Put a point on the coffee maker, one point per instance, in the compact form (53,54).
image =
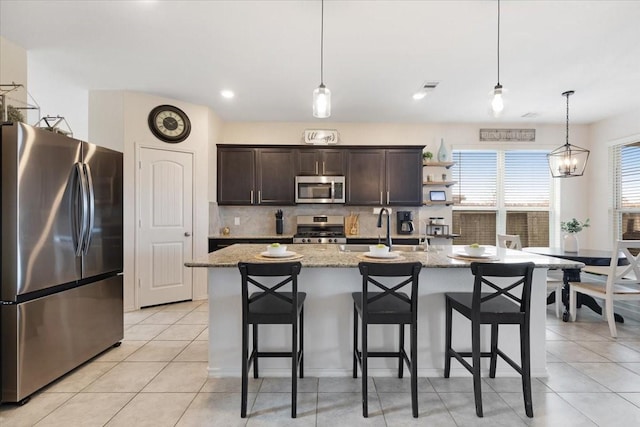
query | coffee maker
(405,222)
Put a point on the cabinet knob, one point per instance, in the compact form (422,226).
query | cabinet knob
(187,234)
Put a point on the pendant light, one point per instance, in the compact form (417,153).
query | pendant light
(568,160)
(497,101)
(322,95)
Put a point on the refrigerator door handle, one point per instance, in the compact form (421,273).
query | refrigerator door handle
(85,209)
(90,219)
(77,217)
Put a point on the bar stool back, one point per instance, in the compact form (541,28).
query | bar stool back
(390,306)
(505,303)
(512,241)
(271,307)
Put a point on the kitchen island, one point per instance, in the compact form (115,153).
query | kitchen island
(329,276)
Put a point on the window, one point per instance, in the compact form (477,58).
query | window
(501,191)
(627,191)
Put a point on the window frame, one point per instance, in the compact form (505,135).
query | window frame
(500,208)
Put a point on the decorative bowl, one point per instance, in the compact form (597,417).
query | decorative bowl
(277,250)
(377,250)
(474,251)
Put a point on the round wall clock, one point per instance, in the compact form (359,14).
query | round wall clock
(169,123)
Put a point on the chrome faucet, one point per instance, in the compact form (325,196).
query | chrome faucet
(388,239)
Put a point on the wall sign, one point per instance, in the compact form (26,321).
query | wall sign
(321,136)
(522,135)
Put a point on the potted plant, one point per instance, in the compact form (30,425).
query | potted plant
(571,228)
(427,156)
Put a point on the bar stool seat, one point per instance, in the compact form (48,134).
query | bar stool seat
(385,310)
(272,310)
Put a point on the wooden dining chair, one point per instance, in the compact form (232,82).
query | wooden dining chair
(512,241)
(623,282)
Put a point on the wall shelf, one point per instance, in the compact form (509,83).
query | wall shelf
(446,165)
(438,203)
(439,183)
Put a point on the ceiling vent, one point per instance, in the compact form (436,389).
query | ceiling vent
(425,89)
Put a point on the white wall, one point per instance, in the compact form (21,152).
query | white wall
(120,118)
(624,128)
(58,96)
(13,69)
(54,93)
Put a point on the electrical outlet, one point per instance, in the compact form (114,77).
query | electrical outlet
(376,211)
(236,220)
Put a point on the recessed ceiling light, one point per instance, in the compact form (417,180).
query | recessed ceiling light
(424,90)
(227,94)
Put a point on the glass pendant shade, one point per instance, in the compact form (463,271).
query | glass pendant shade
(497,102)
(567,161)
(321,102)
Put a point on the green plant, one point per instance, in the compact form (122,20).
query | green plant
(427,155)
(574,226)
(13,114)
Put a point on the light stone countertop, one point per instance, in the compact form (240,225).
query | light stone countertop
(329,255)
(290,236)
(265,236)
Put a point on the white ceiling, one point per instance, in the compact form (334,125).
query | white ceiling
(377,53)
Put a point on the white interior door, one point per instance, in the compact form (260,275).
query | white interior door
(165,225)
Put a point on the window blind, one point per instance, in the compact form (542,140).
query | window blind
(526,179)
(629,177)
(476,175)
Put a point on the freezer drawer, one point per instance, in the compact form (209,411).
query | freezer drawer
(47,337)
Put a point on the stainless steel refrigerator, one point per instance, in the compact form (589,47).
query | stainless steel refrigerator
(61,256)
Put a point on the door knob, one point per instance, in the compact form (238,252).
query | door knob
(187,234)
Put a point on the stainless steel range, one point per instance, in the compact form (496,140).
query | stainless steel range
(320,229)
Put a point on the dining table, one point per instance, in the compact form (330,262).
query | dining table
(594,257)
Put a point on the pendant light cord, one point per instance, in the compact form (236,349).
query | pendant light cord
(322,44)
(568,93)
(498,42)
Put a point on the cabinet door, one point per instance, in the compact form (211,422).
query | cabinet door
(320,162)
(365,178)
(331,162)
(236,176)
(275,176)
(404,177)
(307,162)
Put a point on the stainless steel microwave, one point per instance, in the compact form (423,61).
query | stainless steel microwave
(320,189)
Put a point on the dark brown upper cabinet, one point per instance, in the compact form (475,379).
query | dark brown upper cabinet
(236,175)
(255,176)
(320,161)
(377,176)
(264,175)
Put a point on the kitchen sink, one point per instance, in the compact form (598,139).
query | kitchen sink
(365,248)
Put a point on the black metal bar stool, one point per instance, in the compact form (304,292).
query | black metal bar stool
(505,303)
(383,308)
(269,307)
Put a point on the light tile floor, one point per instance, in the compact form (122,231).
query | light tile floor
(158,377)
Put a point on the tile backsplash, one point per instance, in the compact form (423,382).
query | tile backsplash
(260,220)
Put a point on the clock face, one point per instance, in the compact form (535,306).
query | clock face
(169,123)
